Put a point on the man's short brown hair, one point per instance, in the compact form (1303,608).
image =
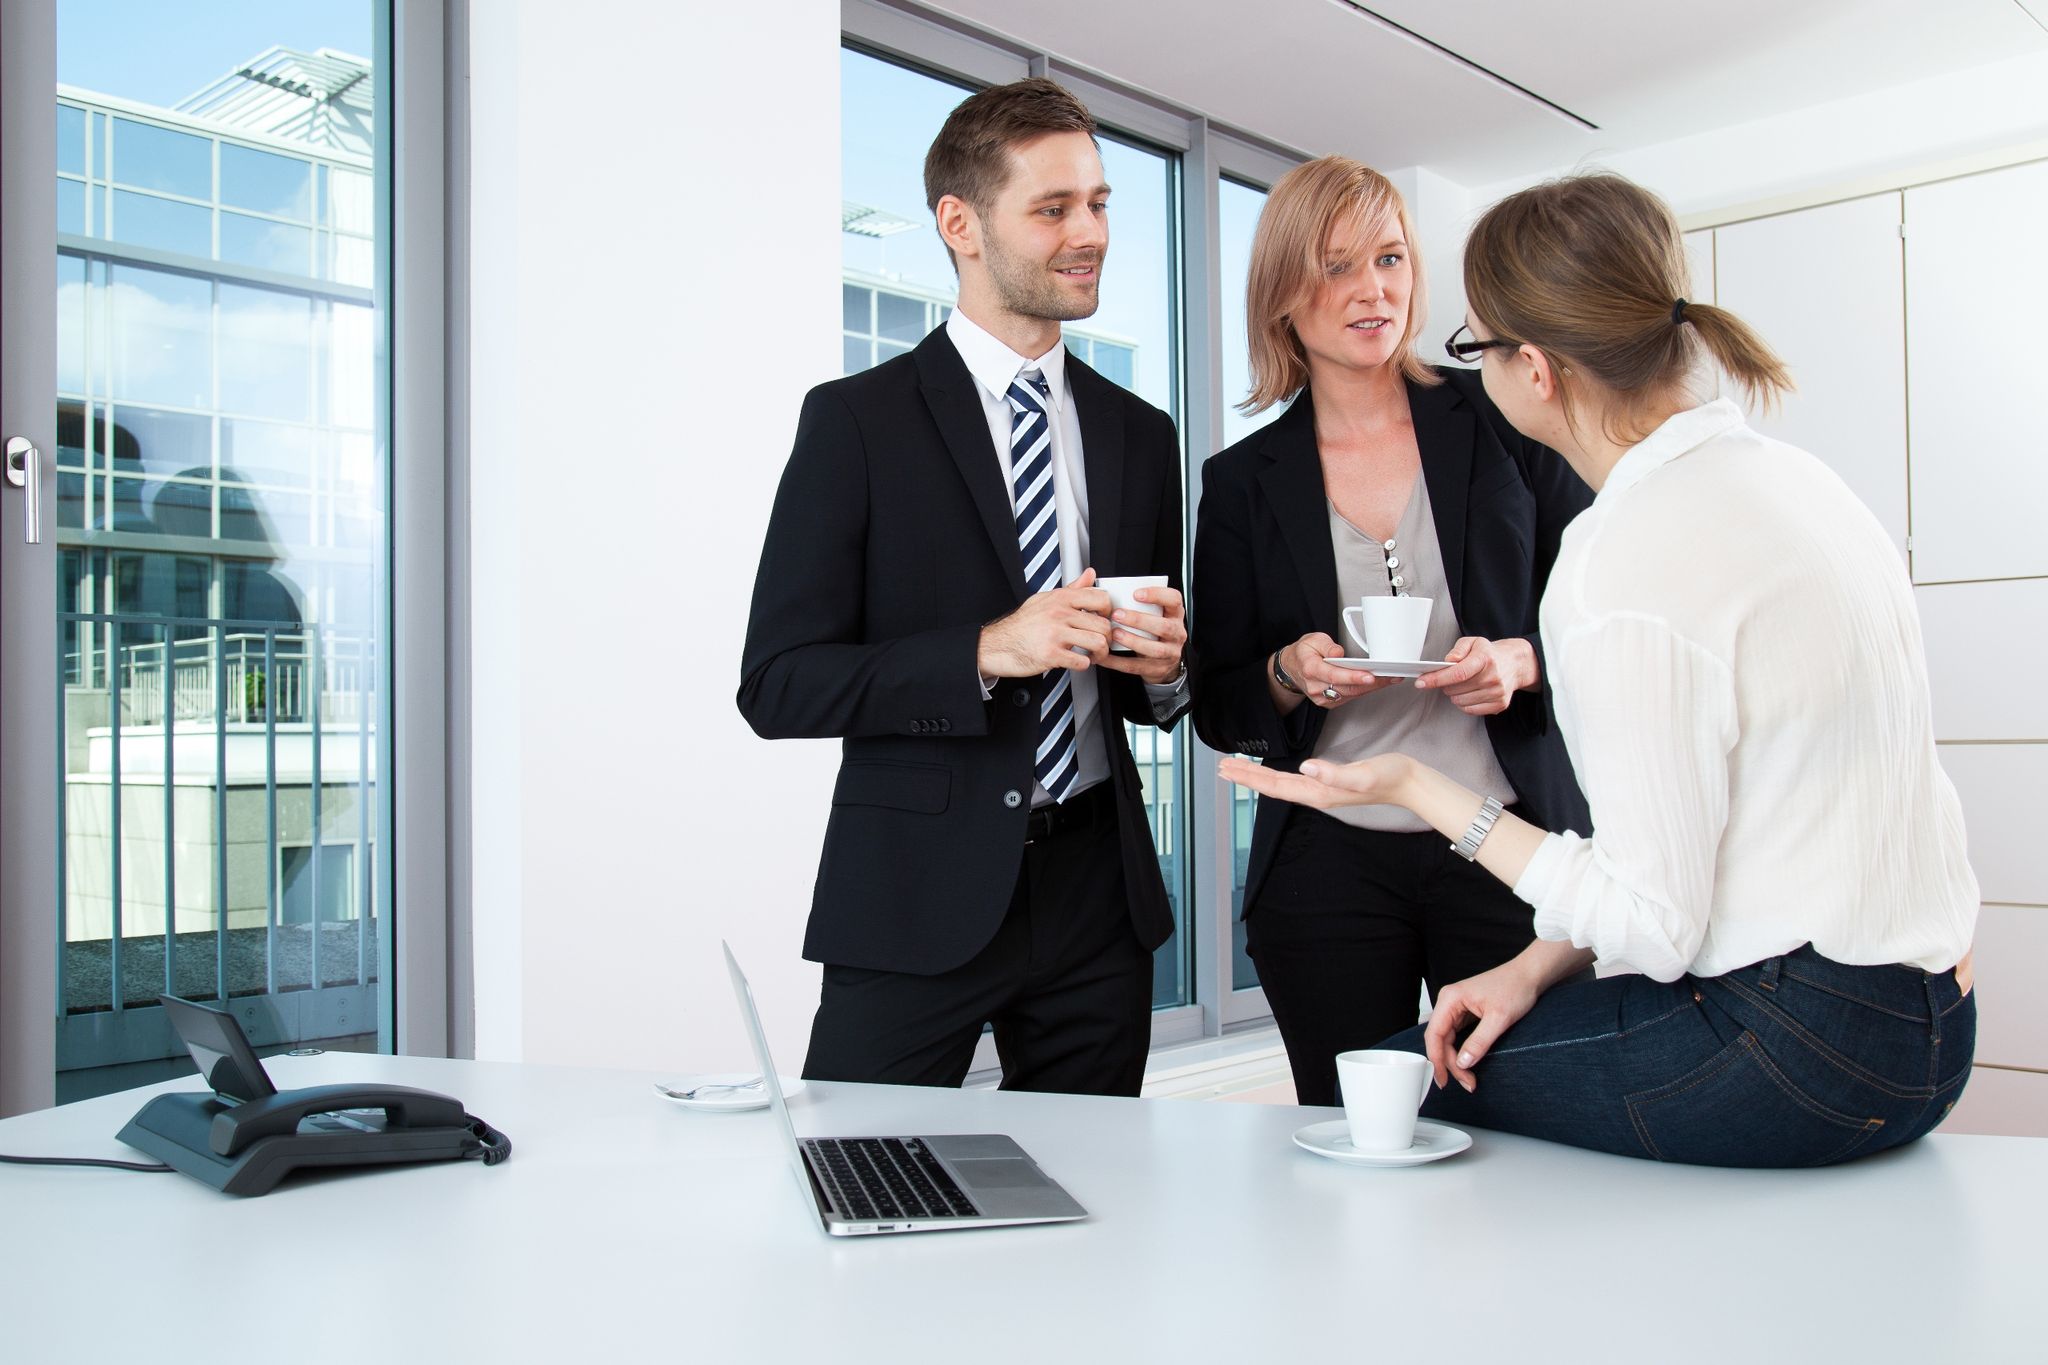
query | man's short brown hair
(970,158)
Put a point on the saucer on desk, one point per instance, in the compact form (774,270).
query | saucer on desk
(1433,1142)
(1392,668)
(730,1101)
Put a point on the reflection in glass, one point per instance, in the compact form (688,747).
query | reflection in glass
(162,442)
(71,207)
(267,452)
(71,324)
(266,182)
(153,158)
(161,336)
(70,139)
(266,352)
(162,224)
(266,245)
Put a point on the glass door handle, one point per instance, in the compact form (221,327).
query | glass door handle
(25,470)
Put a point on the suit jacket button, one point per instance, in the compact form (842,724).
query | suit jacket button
(1013,799)
(944,725)
(1021,697)
(917,727)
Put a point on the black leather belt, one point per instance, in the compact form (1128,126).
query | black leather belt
(1085,811)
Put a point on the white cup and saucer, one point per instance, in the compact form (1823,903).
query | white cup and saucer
(1382,1090)
(1123,597)
(1389,632)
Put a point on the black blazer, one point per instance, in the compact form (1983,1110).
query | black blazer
(890,546)
(1265,575)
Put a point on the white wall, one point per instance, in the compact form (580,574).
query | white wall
(638,363)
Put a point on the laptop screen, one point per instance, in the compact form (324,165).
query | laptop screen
(771,1080)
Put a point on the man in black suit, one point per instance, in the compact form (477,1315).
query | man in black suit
(926,593)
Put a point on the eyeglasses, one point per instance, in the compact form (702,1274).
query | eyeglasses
(1472,349)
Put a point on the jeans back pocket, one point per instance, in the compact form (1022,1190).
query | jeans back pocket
(1739,1109)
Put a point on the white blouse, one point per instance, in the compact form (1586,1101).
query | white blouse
(1736,660)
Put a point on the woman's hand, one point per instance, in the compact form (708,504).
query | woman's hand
(1495,999)
(1323,683)
(1484,674)
(1378,781)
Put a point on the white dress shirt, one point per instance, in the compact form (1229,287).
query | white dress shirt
(995,367)
(1736,660)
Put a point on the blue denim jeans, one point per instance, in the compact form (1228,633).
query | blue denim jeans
(1793,1061)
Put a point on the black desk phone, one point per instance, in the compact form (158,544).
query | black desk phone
(248,1135)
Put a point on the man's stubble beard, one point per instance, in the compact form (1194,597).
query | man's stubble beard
(1027,288)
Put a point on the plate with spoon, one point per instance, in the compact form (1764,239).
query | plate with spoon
(728,1091)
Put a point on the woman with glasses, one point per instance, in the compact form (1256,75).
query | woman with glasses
(1778,864)
(1385,476)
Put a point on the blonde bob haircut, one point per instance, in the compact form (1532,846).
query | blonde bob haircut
(1289,260)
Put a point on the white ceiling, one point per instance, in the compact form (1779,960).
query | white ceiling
(1320,76)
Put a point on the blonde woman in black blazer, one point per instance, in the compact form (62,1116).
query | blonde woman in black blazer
(1347,923)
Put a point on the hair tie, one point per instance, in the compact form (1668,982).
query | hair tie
(1678,311)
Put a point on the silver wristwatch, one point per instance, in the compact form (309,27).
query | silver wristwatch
(1481,826)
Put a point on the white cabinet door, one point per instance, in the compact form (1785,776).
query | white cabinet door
(1823,287)
(1699,253)
(2012,1016)
(1976,291)
(1986,653)
(2002,787)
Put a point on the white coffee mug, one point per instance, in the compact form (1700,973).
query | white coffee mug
(1382,1090)
(1394,627)
(1122,596)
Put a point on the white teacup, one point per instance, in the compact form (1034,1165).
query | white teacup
(1394,627)
(1382,1090)
(1122,596)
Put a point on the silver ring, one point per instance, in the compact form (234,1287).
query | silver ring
(1330,693)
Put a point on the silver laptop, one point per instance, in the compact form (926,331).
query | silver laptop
(864,1185)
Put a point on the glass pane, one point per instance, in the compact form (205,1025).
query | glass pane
(1137,314)
(71,139)
(899,319)
(1238,209)
(161,336)
(860,353)
(266,182)
(888,117)
(165,224)
(153,158)
(71,206)
(242,426)
(266,452)
(265,244)
(266,352)
(856,308)
(70,324)
(156,442)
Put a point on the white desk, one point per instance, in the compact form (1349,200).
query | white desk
(624,1226)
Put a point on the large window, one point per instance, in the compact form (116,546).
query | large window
(222,531)
(899,79)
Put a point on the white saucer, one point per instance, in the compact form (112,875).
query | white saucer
(730,1101)
(1433,1142)
(1392,668)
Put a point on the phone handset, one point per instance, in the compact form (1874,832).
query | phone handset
(279,1114)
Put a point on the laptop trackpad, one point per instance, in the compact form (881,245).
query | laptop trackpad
(999,1175)
(973,1146)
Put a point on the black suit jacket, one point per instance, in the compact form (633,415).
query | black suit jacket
(1266,575)
(891,545)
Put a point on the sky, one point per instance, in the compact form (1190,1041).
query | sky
(160,51)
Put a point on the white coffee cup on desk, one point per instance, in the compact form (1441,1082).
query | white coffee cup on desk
(1123,597)
(1382,1090)
(1393,627)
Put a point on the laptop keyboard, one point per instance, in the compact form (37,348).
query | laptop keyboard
(871,1178)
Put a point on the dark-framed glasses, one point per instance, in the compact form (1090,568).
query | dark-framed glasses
(1472,348)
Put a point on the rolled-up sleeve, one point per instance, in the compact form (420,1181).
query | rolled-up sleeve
(1650,720)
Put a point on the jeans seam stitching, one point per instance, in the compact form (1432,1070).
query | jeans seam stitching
(1854,999)
(1822,1050)
(1591,1037)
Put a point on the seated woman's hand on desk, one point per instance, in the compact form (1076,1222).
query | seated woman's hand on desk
(1484,674)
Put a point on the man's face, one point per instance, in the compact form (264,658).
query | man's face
(1044,237)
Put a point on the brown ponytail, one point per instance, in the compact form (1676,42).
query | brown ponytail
(1590,270)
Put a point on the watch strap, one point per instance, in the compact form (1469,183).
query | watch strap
(1481,826)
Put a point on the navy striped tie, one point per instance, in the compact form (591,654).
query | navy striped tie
(1038,537)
